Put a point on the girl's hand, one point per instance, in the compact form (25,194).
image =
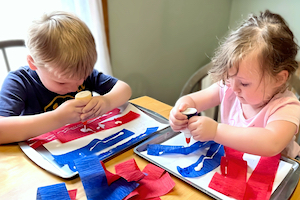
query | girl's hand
(97,106)
(177,120)
(203,128)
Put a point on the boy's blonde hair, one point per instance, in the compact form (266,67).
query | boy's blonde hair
(269,35)
(63,44)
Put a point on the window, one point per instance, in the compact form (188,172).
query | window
(17,15)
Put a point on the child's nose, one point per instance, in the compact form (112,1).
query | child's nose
(234,86)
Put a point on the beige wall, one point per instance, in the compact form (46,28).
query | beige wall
(156,45)
(289,10)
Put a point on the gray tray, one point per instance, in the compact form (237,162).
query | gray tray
(282,192)
(45,160)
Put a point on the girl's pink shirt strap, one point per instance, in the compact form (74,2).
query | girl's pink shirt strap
(283,106)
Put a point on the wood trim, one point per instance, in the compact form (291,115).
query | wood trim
(106,25)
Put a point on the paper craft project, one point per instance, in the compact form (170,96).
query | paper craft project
(97,145)
(204,164)
(128,182)
(170,161)
(65,133)
(233,178)
(111,133)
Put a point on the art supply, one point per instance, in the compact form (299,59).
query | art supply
(84,95)
(189,112)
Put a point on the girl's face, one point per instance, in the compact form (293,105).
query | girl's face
(249,84)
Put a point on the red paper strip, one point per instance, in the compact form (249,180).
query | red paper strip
(41,139)
(232,180)
(260,183)
(155,184)
(67,134)
(50,136)
(109,176)
(129,170)
(153,181)
(72,194)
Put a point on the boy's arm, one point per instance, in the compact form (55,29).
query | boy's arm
(118,95)
(99,105)
(268,141)
(20,128)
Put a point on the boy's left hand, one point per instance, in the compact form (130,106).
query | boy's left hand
(97,106)
(202,128)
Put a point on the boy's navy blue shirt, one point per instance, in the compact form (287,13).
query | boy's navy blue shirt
(23,93)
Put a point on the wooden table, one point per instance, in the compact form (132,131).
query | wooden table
(20,177)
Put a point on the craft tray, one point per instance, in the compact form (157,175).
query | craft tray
(282,192)
(43,158)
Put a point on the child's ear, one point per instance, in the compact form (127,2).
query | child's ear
(282,77)
(31,62)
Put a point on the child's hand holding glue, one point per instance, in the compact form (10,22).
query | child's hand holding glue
(179,117)
(189,112)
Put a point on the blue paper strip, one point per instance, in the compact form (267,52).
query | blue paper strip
(158,149)
(53,192)
(211,161)
(93,147)
(127,144)
(97,145)
(95,184)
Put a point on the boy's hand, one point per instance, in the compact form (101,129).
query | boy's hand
(97,106)
(70,111)
(203,128)
(177,120)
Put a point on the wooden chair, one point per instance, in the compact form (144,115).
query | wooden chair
(4,45)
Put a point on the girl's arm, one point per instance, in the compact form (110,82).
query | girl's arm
(206,98)
(201,100)
(268,141)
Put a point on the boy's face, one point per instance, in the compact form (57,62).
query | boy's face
(59,85)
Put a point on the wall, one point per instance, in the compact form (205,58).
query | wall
(157,45)
(289,10)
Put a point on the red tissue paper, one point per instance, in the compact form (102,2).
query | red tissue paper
(232,180)
(153,181)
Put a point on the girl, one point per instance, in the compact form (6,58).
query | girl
(252,67)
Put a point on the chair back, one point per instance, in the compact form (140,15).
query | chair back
(198,81)
(8,44)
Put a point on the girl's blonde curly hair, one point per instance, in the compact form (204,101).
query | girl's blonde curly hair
(267,34)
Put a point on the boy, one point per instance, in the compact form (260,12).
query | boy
(39,98)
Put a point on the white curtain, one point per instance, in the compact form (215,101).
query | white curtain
(91,13)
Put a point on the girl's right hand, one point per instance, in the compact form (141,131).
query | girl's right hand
(177,120)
